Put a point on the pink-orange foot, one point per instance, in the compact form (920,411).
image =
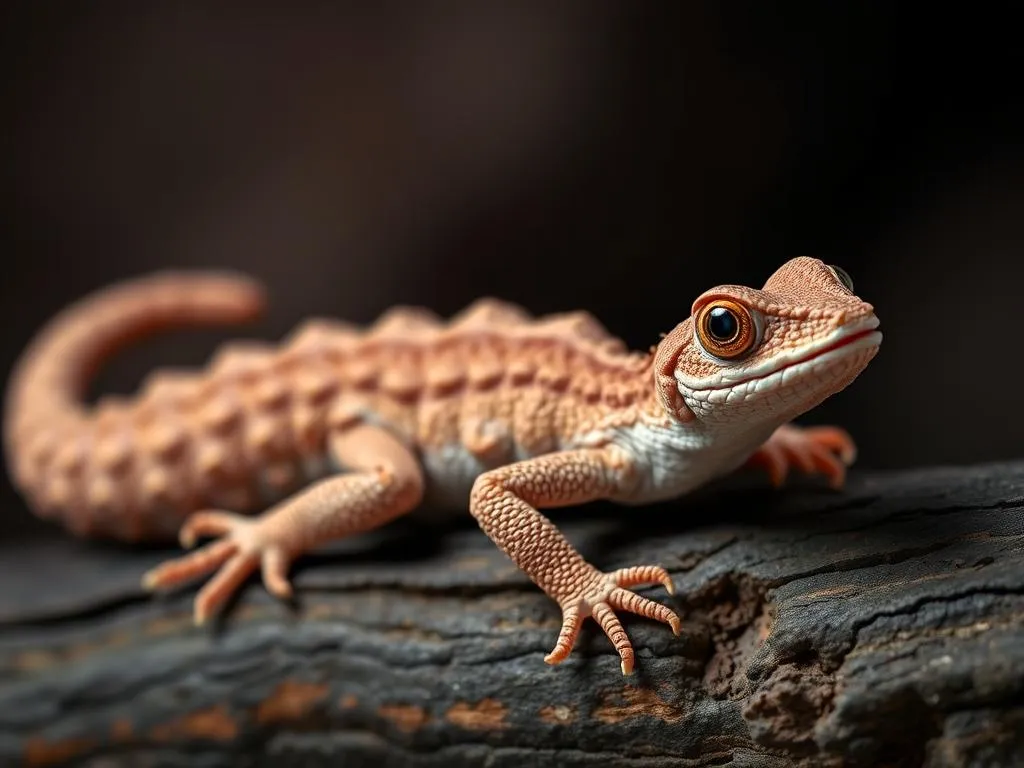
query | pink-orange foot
(245,544)
(599,596)
(811,450)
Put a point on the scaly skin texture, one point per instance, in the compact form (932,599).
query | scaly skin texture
(339,430)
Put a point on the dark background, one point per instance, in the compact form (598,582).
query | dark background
(620,157)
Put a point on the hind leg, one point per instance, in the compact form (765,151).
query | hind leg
(385,481)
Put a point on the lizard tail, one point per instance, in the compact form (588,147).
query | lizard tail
(48,383)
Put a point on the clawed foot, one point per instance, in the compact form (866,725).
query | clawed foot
(812,450)
(600,597)
(242,547)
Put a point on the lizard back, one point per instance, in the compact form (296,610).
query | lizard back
(489,386)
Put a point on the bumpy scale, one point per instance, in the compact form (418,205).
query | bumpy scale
(340,430)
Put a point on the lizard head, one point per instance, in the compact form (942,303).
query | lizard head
(758,356)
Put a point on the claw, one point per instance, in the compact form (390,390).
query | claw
(613,594)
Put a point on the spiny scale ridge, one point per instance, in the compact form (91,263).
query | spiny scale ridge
(248,427)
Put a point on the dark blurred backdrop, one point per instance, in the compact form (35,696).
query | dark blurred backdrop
(619,157)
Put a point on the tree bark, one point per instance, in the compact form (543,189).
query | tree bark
(879,626)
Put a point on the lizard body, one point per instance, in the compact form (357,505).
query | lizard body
(339,430)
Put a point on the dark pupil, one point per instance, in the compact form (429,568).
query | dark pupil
(722,324)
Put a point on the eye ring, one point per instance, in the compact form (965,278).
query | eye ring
(842,276)
(726,329)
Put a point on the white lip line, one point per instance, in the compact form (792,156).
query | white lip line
(867,340)
(815,355)
(871,339)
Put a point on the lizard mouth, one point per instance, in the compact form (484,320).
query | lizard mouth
(847,340)
(863,336)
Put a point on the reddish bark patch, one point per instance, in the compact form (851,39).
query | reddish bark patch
(39,751)
(408,718)
(486,715)
(291,700)
(636,702)
(214,723)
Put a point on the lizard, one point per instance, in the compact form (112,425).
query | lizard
(273,449)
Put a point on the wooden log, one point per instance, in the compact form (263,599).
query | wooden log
(879,626)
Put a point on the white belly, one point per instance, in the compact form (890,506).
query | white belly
(673,460)
(450,472)
(670,461)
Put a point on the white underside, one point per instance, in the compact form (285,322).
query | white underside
(668,460)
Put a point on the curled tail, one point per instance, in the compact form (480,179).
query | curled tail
(44,393)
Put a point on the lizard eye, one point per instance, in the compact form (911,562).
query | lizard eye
(842,276)
(726,329)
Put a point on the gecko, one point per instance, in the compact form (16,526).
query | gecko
(274,449)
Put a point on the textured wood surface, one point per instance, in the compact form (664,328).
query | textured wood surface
(881,626)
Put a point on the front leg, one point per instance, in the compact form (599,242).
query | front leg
(812,450)
(385,481)
(504,502)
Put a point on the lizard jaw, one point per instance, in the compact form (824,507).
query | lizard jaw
(798,380)
(845,343)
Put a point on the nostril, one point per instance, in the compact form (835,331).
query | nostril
(852,315)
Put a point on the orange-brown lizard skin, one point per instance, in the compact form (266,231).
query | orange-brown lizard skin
(339,430)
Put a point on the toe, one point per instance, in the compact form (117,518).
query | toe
(609,622)
(800,455)
(275,573)
(571,619)
(642,574)
(830,466)
(836,440)
(625,600)
(211,522)
(191,566)
(773,460)
(227,581)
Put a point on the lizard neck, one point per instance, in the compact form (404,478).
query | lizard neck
(673,458)
(675,451)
